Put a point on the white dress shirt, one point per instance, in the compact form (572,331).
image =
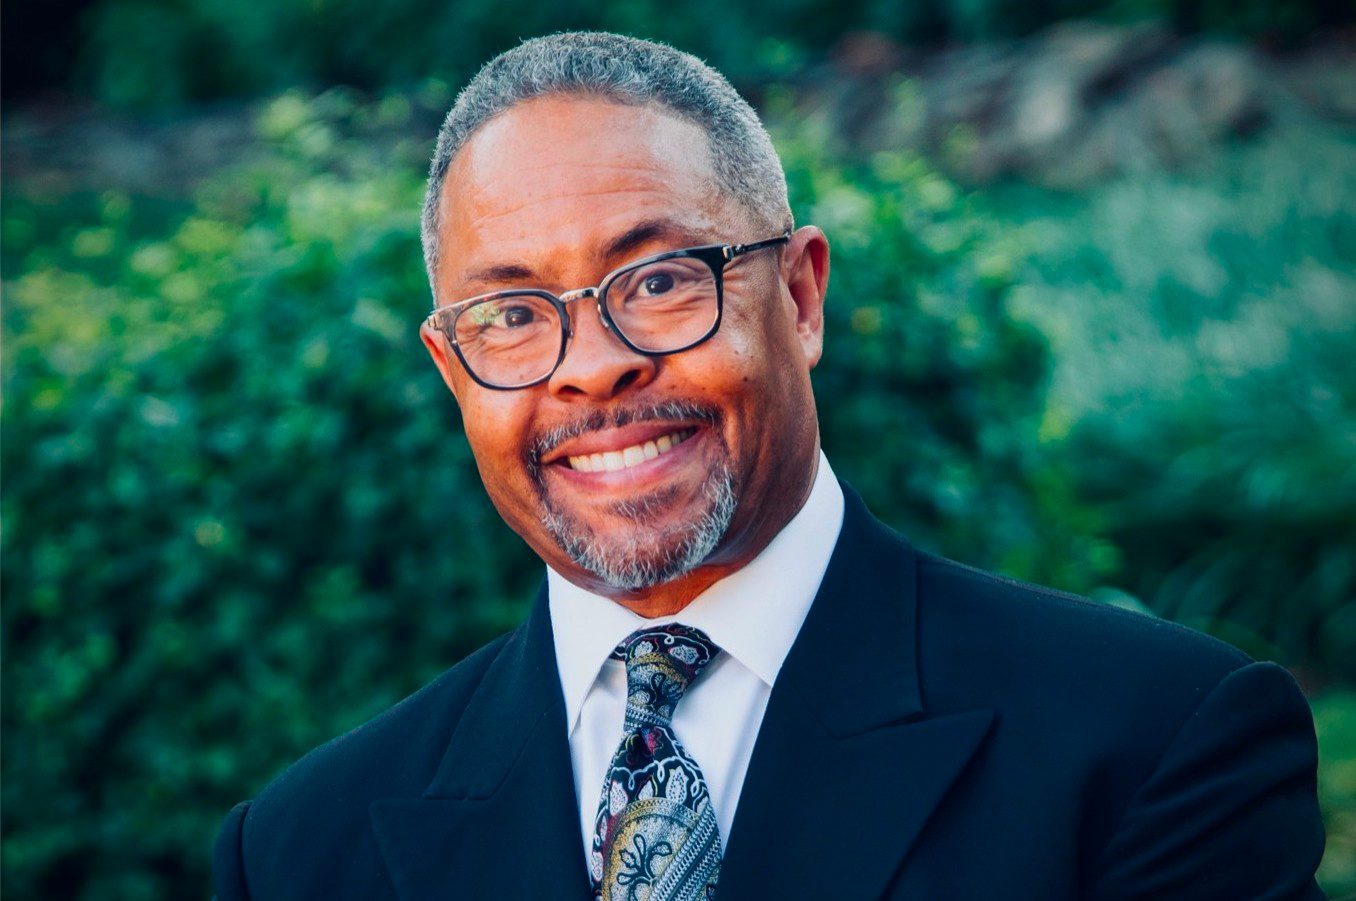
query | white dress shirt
(753,615)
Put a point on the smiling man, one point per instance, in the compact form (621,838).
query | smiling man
(736,683)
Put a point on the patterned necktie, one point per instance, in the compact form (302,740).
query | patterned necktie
(655,837)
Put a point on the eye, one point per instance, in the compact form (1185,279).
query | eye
(515,317)
(661,284)
(657,283)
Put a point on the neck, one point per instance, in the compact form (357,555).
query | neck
(673,596)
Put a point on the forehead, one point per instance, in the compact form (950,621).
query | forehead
(558,177)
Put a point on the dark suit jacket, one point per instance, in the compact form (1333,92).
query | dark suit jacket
(935,733)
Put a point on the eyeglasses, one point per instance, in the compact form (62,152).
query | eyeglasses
(660,305)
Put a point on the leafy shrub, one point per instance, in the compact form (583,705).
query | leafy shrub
(932,389)
(1204,399)
(161,53)
(239,516)
(1335,723)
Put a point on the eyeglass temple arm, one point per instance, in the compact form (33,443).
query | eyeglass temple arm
(734,250)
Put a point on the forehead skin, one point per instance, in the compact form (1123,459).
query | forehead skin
(551,181)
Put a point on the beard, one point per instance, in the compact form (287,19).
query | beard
(648,553)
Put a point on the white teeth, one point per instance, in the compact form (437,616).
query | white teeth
(611,461)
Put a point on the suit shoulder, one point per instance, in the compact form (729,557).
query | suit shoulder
(1130,679)
(1097,693)
(394,753)
(1041,618)
(307,834)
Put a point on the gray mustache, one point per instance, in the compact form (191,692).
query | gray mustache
(597,420)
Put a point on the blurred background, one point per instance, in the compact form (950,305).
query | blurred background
(1091,324)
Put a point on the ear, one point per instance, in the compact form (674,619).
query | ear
(441,352)
(805,267)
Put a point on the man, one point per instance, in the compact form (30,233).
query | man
(737,683)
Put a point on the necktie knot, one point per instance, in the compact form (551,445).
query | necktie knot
(661,663)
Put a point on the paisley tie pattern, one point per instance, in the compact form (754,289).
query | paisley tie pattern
(655,837)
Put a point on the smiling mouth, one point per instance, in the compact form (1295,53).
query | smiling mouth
(625,458)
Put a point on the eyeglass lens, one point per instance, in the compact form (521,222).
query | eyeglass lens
(658,307)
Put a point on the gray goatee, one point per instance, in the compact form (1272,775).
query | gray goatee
(641,558)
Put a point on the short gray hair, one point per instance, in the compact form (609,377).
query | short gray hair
(629,71)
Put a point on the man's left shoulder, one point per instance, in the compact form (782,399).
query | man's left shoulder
(1117,683)
(1032,629)
(1157,732)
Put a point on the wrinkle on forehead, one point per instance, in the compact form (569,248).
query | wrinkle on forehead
(481,215)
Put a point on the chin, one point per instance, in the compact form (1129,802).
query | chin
(640,551)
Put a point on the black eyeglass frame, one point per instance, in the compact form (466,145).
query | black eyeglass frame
(715,256)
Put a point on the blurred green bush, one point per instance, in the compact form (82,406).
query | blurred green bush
(1204,400)
(144,53)
(238,513)
(239,518)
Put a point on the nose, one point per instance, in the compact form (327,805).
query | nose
(597,364)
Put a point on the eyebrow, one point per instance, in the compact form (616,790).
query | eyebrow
(636,236)
(502,272)
(645,231)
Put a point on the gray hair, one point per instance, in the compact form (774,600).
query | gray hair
(629,71)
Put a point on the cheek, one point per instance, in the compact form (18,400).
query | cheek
(496,428)
(766,357)
(759,351)
(743,376)
(762,318)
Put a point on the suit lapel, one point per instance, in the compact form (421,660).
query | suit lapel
(848,767)
(499,819)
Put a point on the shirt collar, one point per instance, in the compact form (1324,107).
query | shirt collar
(753,614)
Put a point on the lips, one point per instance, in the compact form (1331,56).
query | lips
(631,455)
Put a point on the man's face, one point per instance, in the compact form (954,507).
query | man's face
(554,194)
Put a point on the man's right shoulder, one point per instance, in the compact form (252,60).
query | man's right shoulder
(318,806)
(406,741)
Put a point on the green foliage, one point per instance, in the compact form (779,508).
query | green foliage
(1205,400)
(1335,722)
(162,53)
(931,389)
(153,53)
(240,518)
